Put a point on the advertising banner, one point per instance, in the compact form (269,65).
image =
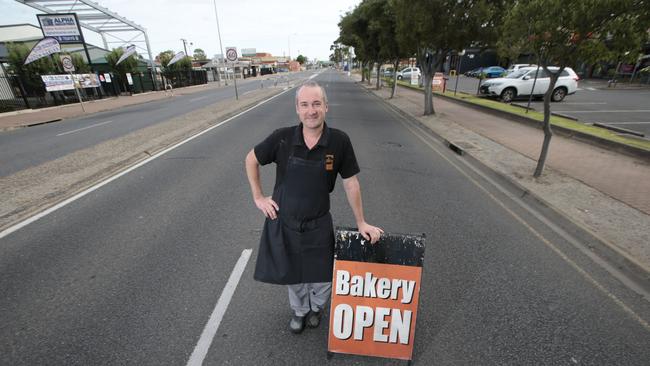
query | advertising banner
(129,78)
(67,82)
(44,47)
(177,57)
(57,82)
(62,27)
(375,294)
(107,77)
(87,80)
(127,52)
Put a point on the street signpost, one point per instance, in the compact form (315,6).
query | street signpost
(231,56)
(375,294)
(68,66)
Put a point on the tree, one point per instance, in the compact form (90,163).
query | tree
(127,66)
(301,59)
(431,29)
(199,54)
(354,33)
(565,32)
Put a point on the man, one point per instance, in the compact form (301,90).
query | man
(297,244)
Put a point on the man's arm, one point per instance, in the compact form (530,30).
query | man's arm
(265,204)
(353,193)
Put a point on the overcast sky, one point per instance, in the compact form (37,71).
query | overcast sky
(306,27)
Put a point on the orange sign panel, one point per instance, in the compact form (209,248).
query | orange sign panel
(374,309)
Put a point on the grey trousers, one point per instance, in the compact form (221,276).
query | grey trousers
(306,296)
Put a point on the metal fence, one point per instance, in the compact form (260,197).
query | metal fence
(24,92)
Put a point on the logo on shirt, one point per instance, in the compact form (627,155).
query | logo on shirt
(329,162)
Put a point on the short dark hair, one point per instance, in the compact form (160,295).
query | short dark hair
(311,84)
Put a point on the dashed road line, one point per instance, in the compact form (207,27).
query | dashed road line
(84,128)
(207,336)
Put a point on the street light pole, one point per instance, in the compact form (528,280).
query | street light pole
(184,45)
(216,15)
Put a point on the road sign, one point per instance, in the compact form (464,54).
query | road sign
(231,54)
(66,61)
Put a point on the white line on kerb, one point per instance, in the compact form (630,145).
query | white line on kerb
(612,111)
(626,123)
(48,211)
(201,349)
(83,128)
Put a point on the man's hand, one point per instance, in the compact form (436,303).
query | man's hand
(268,206)
(370,232)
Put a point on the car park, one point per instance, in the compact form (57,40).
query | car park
(520,83)
(408,72)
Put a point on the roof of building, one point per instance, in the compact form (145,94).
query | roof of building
(20,33)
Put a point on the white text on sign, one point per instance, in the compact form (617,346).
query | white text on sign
(351,322)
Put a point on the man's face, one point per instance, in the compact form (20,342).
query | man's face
(311,107)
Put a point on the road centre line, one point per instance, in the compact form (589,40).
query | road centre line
(84,128)
(617,274)
(65,202)
(198,98)
(211,327)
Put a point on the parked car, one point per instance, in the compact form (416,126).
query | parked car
(387,72)
(407,72)
(515,67)
(474,73)
(520,83)
(493,71)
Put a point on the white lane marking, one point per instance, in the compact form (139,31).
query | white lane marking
(587,88)
(313,76)
(584,103)
(625,123)
(203,345)
(48,211)
(250,91)
(613,111)
(84,128)
(198,98)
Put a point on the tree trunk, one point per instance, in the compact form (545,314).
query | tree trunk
(378,76)
(428,95)
(369,70)
(392,92)
(363,71)
(548,133)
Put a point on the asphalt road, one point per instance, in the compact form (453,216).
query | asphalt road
(27,147)
(130,273)
(618,107)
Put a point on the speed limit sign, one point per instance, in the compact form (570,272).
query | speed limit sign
(66,61)
(231,54)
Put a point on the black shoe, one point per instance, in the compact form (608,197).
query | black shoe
(297,324)
(313,319)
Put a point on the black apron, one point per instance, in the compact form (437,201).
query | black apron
(298,246)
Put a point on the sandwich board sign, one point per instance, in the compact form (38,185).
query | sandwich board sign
(375,294)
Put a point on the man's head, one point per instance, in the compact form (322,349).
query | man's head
(311,105)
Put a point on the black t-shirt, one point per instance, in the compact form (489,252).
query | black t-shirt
(334,146)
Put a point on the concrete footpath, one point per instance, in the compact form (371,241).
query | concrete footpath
(604,192)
